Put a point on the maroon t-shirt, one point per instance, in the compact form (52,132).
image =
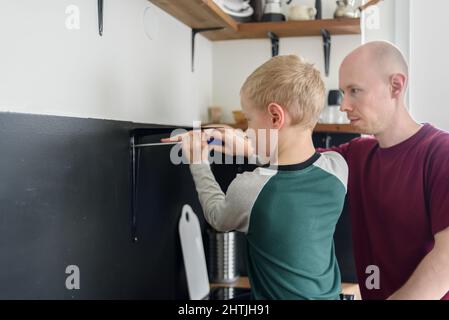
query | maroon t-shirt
(399,199)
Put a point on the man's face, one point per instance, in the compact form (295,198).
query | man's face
(366,96)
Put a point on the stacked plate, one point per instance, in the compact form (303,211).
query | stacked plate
(240,10)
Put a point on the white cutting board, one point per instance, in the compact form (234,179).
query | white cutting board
(193,254)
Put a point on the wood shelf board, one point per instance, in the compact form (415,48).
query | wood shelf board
(197,13)
(207,14)
(335,128)
(320,128)
(243,282)
(259,30)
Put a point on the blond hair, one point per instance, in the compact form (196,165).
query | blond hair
(290,82)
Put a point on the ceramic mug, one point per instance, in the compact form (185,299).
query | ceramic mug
(301,12)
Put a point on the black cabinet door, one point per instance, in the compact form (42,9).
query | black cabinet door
(65,200)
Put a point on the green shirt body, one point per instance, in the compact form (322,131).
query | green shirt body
(288,214)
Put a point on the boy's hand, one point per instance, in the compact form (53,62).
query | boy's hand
(234,141)
(179,137)
(194,146)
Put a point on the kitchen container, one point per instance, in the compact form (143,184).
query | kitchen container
(222,259)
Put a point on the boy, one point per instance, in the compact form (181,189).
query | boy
(287,212)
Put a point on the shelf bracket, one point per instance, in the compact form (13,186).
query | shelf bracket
(100,17)
(135,151)
(319,10)
(195,31)
(274,44)
(134,170)
(327,49)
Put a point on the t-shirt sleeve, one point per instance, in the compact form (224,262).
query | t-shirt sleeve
(230,211)
(335,164)
(438,187)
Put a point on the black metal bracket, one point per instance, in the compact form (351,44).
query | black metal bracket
(135,148)
(319,10)
(274,44)
(134,171)
(327,49)
(100,17)
(195,31)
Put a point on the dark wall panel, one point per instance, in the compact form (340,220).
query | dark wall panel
(65,200)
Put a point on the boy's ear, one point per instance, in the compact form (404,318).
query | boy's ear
(277,115)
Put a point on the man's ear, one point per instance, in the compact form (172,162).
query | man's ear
(277,115)
(398,84)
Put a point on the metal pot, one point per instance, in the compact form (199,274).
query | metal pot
(222,260)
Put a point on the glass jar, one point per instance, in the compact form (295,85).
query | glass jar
(329,115)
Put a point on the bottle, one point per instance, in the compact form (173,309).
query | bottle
(334,100)
(328,116)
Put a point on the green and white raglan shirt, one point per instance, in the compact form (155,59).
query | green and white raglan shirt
(289,216)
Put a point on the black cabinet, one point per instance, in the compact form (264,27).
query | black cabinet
(65,200)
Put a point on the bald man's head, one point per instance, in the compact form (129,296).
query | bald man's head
(373,79)
(378,56)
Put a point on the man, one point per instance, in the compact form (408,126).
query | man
(398,181)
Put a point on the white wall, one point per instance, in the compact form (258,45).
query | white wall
(234,60)
(418,28)
(379,21)
(402,26)
(47,69)
(429,49)
(389,21)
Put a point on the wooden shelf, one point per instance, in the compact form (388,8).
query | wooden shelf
(335,128)
(207,14)
(197,13)
(320,128)
(243,282)
(259,30)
